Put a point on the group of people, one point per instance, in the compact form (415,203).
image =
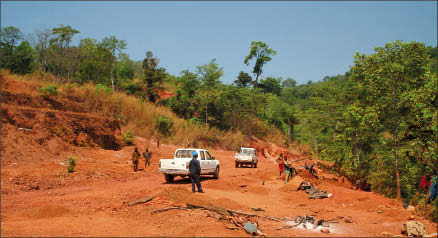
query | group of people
(430,185)
(147,155)
(284,161)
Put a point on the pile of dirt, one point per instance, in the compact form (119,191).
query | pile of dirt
(183,196)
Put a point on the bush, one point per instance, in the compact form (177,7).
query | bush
(71,164)
(132,88)
(102,88)
(128,137)
(164,125)
(48,90)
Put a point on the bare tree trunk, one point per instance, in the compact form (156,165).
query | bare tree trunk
(334,133)
(397,172)
(112,81)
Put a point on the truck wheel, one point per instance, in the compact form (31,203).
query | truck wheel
(216,173)
(255,165)
(169,178)
(236,165)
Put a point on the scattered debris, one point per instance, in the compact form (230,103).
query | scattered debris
(349,220)
(24,129)
(386,234)
(243,185)
(414,229)
(257,209)
(379,211)
(34,186)
(141,201)
(325,230)
(250,228)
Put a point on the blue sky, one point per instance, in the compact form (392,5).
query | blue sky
(312,39)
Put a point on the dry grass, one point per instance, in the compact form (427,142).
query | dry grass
(140,117)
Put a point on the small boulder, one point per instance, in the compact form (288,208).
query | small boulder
(325,230)
(250,228)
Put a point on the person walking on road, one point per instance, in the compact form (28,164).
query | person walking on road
(147,157)
(287,166)
(195,172)
(135,157)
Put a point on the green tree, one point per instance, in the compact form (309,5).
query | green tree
(391,74)
(271,85)
(243,80)
(261,53)
(62,37)
(209,75)
(22,58)
(153,76)
(289,83)
(115,46)
(10,36)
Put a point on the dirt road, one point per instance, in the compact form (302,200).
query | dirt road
(40,199)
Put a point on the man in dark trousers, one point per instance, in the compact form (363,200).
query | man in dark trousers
(147,157)
(135,157)
(195,172)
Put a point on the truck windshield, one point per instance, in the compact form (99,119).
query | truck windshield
(247,151)
(184,154)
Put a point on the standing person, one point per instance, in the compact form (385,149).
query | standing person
(287,167)
(280,163)
(195,172)
(147,157)
(135,157)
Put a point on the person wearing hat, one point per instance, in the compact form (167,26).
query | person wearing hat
(195,172)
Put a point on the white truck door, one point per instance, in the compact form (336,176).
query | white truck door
(211,165)
(204,162)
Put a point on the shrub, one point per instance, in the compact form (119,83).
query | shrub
(48,90)
(132,88)
(164,125)
(128,137)
(71,164)
(102,88)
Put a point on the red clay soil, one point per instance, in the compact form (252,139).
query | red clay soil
(39,197)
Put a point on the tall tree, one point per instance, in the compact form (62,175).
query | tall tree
(41,47)
(116,46)
(63,35)
(209,75)
(10,36)
(261,53)
(153,76)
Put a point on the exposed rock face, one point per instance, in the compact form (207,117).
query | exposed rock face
(75,128)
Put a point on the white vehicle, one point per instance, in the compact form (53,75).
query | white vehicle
(179,165)
(246,156)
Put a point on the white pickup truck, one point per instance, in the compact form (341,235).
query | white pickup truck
(179,165)
(246,156)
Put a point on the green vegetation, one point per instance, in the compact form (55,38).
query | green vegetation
(48,90)
(376,123)
(71,163)
(128,137)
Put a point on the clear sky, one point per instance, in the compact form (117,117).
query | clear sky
(312,39)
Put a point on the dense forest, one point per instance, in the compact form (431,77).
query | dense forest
(377,122)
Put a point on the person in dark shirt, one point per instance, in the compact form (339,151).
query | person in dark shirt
(195,172)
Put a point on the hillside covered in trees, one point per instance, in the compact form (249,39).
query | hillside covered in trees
(377,122)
